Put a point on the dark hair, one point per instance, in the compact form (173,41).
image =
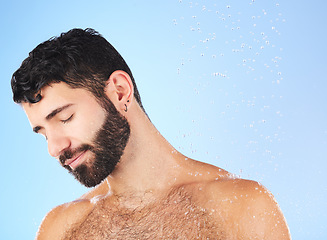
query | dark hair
(80,58)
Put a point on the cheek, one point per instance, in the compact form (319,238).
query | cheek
(92,130)
(91,126)
(84,131)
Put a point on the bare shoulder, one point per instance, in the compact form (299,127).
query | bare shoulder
(248,209)
(62,218)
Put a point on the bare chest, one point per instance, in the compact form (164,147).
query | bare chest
(176,217)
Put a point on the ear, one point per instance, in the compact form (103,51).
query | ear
(120,89)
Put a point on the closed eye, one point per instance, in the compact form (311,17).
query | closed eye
(68,119)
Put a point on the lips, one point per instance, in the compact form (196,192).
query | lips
(75,161)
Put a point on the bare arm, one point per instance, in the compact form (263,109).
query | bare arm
(51,226)
(249,211)
(61,219)
(261,217)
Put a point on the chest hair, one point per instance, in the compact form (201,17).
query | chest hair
(174,217)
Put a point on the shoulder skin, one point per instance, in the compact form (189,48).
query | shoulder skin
(62,218)
(247,209)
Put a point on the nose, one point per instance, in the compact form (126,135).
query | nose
(57,143)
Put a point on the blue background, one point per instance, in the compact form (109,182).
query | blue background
(238,84)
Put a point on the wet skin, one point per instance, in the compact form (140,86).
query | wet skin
(151,179)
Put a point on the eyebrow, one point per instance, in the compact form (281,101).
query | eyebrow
(52,115)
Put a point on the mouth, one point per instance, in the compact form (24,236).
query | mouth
(75,161)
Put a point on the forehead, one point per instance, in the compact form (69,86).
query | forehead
(54,96)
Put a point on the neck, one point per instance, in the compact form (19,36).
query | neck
(149,163)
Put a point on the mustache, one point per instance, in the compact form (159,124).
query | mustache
(69,153)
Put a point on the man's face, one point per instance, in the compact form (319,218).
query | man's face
(86,138)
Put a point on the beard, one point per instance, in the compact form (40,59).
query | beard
(106,148)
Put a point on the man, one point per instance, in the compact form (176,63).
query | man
(80,94)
